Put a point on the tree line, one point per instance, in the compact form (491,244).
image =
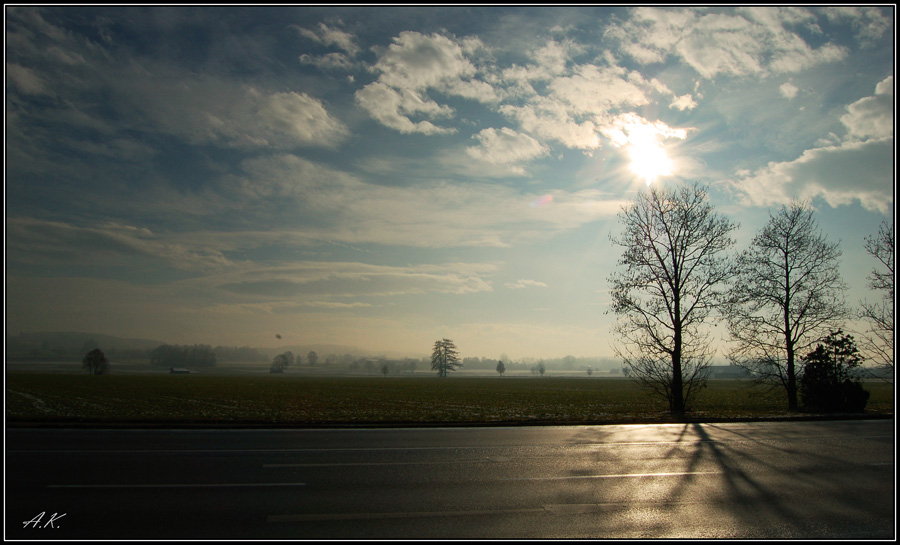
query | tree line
(198,355)
(781,299)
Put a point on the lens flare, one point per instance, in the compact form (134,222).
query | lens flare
(546,199)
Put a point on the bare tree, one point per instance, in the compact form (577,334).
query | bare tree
(786,295)
(444,358)
(879,342)
(670,280)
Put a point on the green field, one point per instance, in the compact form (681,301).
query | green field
(341,401)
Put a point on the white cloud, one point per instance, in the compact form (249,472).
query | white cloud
(591,88)
(506,146)
(25,80)
(411,66)
(393,108)
(523,283)
(307,282)
(629,128)
(40,241)
(852,172)
(212,110)
(330,61)
(427,214)
(788,90)
(869,23)
(550,120)
(859,168)
(752,41)
(327,35)
(872,117)
(684,102)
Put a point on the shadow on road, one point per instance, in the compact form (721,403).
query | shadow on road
(749,481)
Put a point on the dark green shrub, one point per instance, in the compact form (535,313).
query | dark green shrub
(829,382)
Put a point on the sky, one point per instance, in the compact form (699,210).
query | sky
(383,177)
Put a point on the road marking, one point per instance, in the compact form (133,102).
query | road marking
(199,485)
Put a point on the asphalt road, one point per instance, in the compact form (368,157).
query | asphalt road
(781,480)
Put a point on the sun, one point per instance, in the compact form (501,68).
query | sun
(648,159)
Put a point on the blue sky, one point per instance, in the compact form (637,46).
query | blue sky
(387,176)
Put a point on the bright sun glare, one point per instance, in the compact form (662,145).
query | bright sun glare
(649,159)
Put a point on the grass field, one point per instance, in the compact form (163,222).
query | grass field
(339,401)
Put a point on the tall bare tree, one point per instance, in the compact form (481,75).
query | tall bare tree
(879,342)
(787,295)
(444,358)
(671,278)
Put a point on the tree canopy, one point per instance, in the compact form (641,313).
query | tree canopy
(95,362)
(444,357)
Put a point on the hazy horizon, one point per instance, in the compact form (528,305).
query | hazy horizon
(383,177)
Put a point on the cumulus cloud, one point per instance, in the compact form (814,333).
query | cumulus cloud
(684,102)
(872,117)
(752,41)
(394,108)
(550,120)
(411,66)
(788,90)
(506,146)
(857,169)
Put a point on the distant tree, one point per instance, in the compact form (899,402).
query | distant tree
(671,278)
(590,371)
(279,363)
(384,369)
(95,362)
(288,358)
(444,358)
(787,294)
(541,369)
(312,357)
(501,368)
(879,342)
(830,380)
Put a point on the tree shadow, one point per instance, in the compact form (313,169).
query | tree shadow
(746,485)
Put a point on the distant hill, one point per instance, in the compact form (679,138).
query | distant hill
(70,343)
